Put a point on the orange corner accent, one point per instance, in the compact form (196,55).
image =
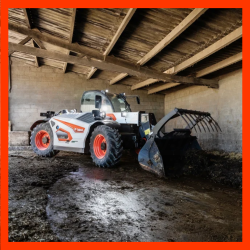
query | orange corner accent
(77,129)
(112,116)
(68,133)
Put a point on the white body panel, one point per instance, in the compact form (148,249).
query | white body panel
(78,139)
(130,118)
(69,122)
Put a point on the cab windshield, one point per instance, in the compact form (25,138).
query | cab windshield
(118,103)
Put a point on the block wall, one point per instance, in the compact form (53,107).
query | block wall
(224,104)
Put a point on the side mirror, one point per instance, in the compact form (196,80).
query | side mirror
(138,99)
(98,101)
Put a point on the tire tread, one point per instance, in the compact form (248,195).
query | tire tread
(50,152)
(114,138)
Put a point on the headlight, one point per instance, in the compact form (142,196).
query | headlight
(102,114)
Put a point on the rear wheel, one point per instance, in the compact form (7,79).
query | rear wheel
(105,146)
(41,140)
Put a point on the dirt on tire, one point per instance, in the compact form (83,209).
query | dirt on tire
(113,143)
(45,152)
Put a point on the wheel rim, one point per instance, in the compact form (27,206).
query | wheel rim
(98,143)
(42,140)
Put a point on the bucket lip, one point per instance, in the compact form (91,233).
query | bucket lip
(146,158)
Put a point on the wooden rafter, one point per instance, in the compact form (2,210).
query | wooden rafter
(25,40)
(117,78)
(91,72)
(115,38)
(223,42)
(27,18)
(233,36)
(39,44)
(144,83)
(120,30)
(37,41)
(220,65)
(29,26)
(111,64)
(72,25)
(162,87)
(191,18)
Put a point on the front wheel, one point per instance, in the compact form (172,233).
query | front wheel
(105,146)
(41,140)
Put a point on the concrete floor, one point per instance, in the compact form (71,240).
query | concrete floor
(67,198)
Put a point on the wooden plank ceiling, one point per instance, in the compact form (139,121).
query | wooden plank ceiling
(155,39)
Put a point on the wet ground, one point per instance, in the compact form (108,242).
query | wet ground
(67,198)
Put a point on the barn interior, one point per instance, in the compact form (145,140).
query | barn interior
(189,58)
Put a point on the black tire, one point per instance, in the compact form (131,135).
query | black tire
(38,148)
(113,146)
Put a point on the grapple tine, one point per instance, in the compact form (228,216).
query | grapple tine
(185,120)
(191,122)
(216,123)
(202,120)
(210,122)
(196,123)
(213,123)
(198,119)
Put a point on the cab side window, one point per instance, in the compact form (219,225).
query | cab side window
(106,105)
(88,102)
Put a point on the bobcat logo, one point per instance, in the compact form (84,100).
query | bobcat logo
(78,129)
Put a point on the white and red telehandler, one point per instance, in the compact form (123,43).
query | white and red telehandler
(106,126)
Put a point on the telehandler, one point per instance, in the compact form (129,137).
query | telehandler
(106,126)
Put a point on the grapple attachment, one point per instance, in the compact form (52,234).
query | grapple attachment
(164,152)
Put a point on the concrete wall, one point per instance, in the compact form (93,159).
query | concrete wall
(36,90)
(224,104)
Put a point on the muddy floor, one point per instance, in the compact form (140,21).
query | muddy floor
(67,198)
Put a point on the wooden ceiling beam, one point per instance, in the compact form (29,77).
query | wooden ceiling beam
(144,83)
(118,33)
(27,19)
(223,42)
(91,73)
(56,41)
(117,78)
(111,64)
(25,40)
(220,65)
(191,18)
(39,44)
(71,34)
(37,41)
(233,36)
(162,87)
(120,30)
